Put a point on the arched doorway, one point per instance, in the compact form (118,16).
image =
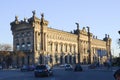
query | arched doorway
(66,60)
(74,59)
(61,59)
(23,60)
(70,59)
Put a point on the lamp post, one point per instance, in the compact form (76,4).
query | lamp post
(119,39)
(89,45)
(78,33)
(51,59)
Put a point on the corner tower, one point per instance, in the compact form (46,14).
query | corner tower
(29,37)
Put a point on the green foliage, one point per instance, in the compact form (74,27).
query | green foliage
(116,61)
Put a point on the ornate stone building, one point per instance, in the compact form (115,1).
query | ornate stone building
(42,44)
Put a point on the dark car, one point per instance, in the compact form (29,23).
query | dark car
(27,68)
(78,67)
(43,70)
(1,67)
(68,67)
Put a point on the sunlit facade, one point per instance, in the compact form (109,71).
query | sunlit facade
(42,44)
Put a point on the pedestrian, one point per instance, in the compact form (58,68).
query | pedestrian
(108,64)
(117,74)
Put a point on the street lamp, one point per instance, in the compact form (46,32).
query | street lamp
(119,32)
(78,33)
(89,45)
(51,59)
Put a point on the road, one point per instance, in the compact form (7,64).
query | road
(59,74)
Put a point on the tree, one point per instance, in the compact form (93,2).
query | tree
(5,54)
(18,55)
(5,47)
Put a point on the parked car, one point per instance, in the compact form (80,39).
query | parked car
(27,68)
(62,65)
(43,70)
(0,66)
(78,67)
(68,67)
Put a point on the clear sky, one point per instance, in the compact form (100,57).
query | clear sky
(102,16)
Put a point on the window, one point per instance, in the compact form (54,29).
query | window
(28,44)
(56,47)
(70,48)
(22,34)
(60,47)
(65,48)
(28,34)
(50,47)
(74,48)
(23,45)
(18,46)
(17,35)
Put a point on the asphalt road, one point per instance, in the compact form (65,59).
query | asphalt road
(59,74)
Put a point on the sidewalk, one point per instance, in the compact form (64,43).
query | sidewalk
(85,67)
(106,69)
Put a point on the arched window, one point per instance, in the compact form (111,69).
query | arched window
(70,48)
(61,47)
(18,46)
(23,46)
(74,48)
(56,49)
(28,44)
(66,48)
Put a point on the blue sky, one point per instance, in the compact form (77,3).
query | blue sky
(102,16)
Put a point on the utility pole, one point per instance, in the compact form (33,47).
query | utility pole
(89,45)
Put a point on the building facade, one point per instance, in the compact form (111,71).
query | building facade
(41,44)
